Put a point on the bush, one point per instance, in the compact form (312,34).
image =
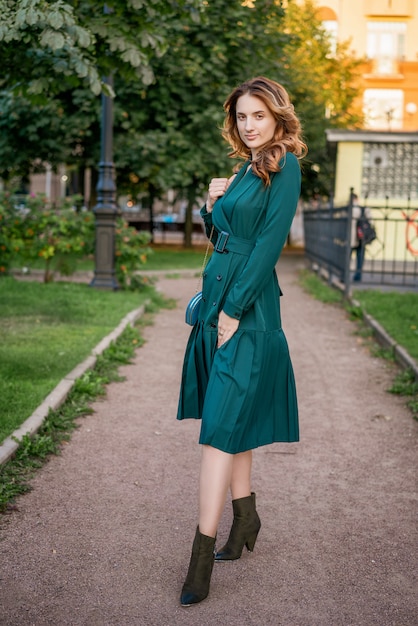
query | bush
(131,253)
(59,236)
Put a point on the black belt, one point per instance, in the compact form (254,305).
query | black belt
(228,243)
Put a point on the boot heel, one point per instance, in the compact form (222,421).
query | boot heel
(244,531)
(250,543)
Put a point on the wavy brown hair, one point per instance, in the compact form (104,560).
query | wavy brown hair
(288,135)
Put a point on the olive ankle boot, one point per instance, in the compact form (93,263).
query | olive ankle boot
(196,586)
(244,531)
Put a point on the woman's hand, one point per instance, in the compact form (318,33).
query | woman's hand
(227,326)
(217,188)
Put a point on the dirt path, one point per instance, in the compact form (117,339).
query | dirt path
(104,538)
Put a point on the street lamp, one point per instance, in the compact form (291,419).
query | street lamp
(106,209)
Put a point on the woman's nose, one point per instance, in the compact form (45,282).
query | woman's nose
(248,123)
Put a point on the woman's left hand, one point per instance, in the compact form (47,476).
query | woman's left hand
(227,326)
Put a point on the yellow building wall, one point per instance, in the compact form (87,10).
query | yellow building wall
(395,235)
(352,17)
(348,171)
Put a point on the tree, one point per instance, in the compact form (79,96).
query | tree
(178,144)
(323,86)
(172,137)
(63,130)
(53,56)
(167,132)
(49,45)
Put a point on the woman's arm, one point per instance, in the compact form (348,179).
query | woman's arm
(284,196)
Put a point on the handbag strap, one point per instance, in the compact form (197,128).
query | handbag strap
(204,260)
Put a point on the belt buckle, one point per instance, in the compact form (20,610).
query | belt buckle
(222,241)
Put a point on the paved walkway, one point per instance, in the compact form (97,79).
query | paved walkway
(104,538)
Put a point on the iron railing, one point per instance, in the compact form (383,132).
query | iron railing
(391,260)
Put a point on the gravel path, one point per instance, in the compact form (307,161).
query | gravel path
(104,538)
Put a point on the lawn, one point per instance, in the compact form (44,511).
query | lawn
(161,258)
(396,312)
(45,331)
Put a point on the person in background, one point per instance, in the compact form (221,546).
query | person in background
(358,245)
(237,373)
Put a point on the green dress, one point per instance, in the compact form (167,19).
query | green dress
(244,392)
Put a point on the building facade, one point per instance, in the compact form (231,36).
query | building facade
(385,34)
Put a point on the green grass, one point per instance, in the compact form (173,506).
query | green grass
(317,288)
(15,475)
(162,258)
(45,331)
(175,258)
(396,312)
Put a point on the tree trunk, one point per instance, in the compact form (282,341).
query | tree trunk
(188,218)
(152,196)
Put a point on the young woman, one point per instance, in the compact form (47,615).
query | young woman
(237,373)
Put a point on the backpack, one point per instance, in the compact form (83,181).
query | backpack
(365,231)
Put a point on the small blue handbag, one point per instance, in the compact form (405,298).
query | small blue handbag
(193,307)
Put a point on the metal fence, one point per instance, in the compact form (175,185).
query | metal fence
(391,260)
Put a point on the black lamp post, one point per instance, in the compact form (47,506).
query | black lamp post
(106,209)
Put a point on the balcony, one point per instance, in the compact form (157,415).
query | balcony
(383,67)
(389,8)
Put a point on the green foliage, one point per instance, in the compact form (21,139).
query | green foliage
(169,258)
(174,62)
(15,475)
(131,254)
(323,82)
(55,45)
(58,236)
(405,384)
(38,230)
(64,129)
(316,287)
(171,139)
(45,331)
(396,312)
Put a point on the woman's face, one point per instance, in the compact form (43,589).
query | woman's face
(255,122)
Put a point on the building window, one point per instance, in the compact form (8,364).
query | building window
(385,45)
(328,17)
(331,28)
(390,170)
(383,109)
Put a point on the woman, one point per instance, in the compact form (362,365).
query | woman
(237,373)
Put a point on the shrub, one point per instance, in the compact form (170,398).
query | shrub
(59,236)
(131,253)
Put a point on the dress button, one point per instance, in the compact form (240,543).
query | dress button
(205,274)
(219,277)
(214,303)
(213,325)
(203,299)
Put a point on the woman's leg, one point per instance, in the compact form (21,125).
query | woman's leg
(215,479)
(246,523)
(241,475)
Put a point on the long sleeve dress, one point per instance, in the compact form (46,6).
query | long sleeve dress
(244,392)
